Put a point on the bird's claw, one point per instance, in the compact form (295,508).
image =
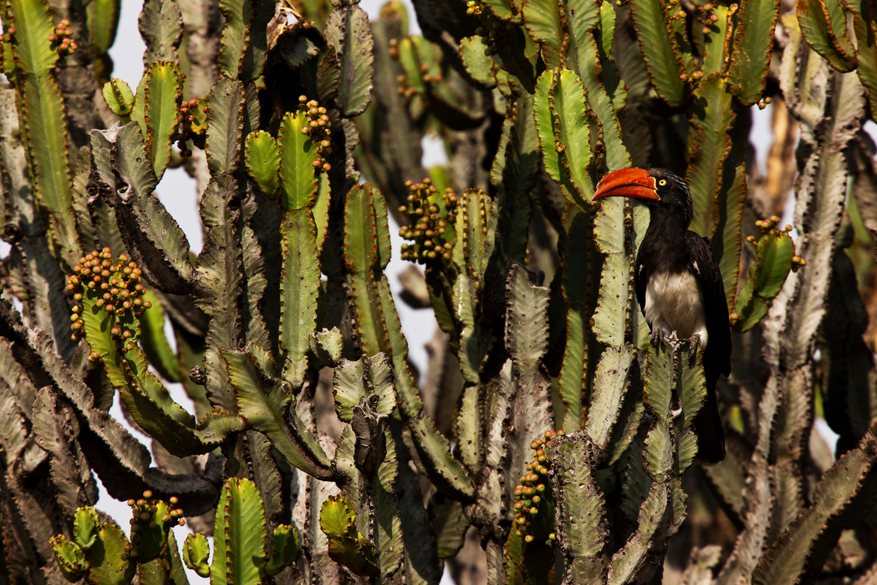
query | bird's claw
(658,338)
(693,345)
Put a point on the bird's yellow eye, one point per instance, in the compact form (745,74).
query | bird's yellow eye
(662,183)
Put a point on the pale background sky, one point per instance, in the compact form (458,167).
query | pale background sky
(177,192)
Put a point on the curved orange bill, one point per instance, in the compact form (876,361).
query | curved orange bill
(632,182)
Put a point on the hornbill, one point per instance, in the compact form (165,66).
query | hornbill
(679,285)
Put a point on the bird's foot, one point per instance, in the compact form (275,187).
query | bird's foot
(693,345)
(658,338)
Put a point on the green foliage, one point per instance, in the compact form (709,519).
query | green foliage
(240,552)
(660,48)
(297,148)
(560,99)
(263,161)
(101,554)
(160,25)
(774,258)
(349,32)
(752,48)
(85,527)
(103,18)
(42,116)
(284,549)
(304,130)
(346,544)
(478,64)
(196,552)
(156,110)
(119,98)
(824,28)
(263,402)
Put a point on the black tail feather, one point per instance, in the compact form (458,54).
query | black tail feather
(708,427)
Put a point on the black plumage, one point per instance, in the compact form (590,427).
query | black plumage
(679,285)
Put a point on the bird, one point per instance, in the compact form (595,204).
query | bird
(679,285)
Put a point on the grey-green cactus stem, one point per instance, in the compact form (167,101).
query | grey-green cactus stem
(580,507)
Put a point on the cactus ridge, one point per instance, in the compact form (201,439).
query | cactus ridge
(651,20)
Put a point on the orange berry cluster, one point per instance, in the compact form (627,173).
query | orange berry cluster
(143,516)
(8,31)
(430,226)
(534,497)
(187,120)
(117,290)
(394,48)
(707,17)
(674,10)
(319,128)
(770,223)
(474,8)
(404,89)
(696,76)
(62,38)
(495,32)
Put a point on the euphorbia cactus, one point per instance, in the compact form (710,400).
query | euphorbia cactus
(101,553)
(303,123)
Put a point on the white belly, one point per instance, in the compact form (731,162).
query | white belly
(674,303)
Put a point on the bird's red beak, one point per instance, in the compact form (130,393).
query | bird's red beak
(632,182)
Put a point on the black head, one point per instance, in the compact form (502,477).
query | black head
(660,190)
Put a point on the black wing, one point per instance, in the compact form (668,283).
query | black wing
(709,278)
(641,279)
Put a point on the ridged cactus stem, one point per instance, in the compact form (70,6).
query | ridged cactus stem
(579,509)
(36,48)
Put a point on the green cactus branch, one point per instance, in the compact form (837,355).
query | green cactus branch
(837,497)
(100,553)
(153,237)
(346,545)
(267,409)
(161,26)
(660,49)
(710,146)
(823,27)
(581,518)
(753,45)
(42,116)
(157,111)
(119,459)
(560,97)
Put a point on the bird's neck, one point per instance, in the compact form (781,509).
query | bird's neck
(664,242)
